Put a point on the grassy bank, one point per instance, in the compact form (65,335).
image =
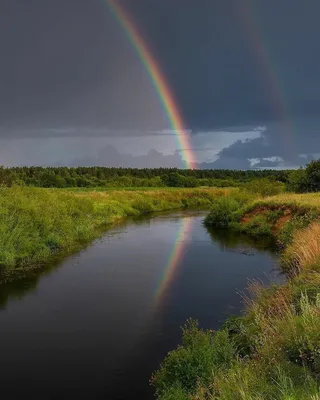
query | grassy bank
(272,352)
(38,224)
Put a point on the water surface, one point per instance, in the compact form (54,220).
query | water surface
(96,326)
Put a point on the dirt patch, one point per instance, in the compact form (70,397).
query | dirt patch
(248,217)
(277,225)
(281,222)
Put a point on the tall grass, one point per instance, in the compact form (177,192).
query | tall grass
(36,224)
(304,250)
(271,353)
(276,343)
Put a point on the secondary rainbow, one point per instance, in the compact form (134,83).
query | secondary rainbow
(165,94)
(276,92)
(175,258)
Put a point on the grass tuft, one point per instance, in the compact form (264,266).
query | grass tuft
(304,250)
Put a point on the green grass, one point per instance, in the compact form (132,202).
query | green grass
(129,188)
(227,211)
(267,355)
(38,224)
(272,352)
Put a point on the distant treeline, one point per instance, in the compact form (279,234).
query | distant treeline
(131,177)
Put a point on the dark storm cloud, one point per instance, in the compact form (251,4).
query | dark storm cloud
(67,67)
(219,56)
(276,147)
(109,156)
(288,143)
(244,63)
(79,132)
(67,63)
(226,163)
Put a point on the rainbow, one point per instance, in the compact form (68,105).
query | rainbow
(175,258)
(161,86)
(260,50)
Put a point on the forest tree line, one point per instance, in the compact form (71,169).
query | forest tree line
(301,180)
(131,177)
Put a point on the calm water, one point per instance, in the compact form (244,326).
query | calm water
(99,324)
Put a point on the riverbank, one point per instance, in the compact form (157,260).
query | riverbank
(272,352)
(38,224)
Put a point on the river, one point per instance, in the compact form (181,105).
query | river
(99,323)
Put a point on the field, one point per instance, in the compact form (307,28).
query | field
(272,352)
(38,224)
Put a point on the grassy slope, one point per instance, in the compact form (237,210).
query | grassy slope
(273,351)
(36,224)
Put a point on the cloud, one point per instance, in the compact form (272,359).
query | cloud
(109,156)
(278,145)
(76,75)
(226,163)
(85,72)
(60,145)
(86,131)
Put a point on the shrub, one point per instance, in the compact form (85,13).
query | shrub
(264,187)
(312,176)
(242,335)
(194,362)
(258,226)
(297,181)
(175,393)
(223,212)
(173,179)
(144,206)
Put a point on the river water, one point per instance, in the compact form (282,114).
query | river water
(98,324)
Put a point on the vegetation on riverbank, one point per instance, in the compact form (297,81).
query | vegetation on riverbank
(272,352)
(38,224)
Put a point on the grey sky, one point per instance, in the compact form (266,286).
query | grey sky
(71,83)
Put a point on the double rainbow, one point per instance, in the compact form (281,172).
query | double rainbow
(174,115)
(250,20)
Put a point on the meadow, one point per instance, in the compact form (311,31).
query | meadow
(272,352)
(37,225)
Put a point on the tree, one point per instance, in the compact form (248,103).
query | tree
(297,181)
(312,176)
(264,187)
(173,179)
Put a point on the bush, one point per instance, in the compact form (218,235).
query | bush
(258,226)
(227,210)
(241,333)
(144,206)
(297,181)
(305,179)
(222,212)
(264,187)
(312,176)
(173,180)
(194,362)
